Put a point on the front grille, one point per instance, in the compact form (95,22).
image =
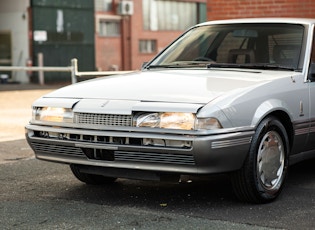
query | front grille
(57,149)
(103,119)
(108,155)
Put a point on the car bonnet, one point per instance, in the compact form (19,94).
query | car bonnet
(171,86)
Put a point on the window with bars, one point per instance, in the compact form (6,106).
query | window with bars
(109,28)
(169,15)
(147,46)
(103,5)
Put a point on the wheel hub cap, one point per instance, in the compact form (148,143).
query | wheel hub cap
(270,161)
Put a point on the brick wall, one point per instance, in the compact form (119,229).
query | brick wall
(218,9)
(163,38)
(123,51)
(108,50)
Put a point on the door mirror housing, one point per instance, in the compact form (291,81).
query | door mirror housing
(144,64)
(311,72)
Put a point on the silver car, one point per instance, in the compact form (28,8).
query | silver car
(231,96)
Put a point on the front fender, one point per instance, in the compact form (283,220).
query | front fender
(267,107)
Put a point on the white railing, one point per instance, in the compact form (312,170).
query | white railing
(73,69)
(75,73)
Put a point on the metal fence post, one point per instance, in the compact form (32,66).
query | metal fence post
(40,57)
(74,70)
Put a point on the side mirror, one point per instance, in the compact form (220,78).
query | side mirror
(311,72)
(144,64)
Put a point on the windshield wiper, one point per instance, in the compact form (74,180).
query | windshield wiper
(277,67)
(180,64)
(191,64)
(160,66)
(251,66)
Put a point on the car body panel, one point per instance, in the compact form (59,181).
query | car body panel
(239,97)
(159,85)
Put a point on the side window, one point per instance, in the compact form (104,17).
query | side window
(313,49)
(311,70)
(284,49)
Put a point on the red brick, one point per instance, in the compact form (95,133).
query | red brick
(260,8)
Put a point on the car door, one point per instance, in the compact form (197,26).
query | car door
(311,84)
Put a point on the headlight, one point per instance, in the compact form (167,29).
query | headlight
(53,114)
(173,120)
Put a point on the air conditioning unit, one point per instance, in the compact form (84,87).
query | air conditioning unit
(125,8)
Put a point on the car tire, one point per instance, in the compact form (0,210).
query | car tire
(91,179)
(263,174)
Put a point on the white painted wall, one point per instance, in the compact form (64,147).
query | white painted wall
(14,18)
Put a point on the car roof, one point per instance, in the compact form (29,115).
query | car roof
(308,21)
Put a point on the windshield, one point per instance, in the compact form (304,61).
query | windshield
(257,45)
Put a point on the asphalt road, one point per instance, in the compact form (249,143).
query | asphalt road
(42,195)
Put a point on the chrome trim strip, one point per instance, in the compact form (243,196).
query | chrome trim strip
(39,125)
(230,143)
(172,136)
(301,131)
(302,127)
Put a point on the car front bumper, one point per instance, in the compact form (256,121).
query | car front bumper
(204,154)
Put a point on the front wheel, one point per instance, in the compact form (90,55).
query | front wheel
(262,176)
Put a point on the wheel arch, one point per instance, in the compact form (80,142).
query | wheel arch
(279,110)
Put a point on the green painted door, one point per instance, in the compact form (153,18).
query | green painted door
(62,30)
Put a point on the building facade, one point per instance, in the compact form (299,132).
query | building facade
(131,32)
(126,33)
(14,36)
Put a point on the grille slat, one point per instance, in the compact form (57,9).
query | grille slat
(155,157)
(103,119)
(57,149)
